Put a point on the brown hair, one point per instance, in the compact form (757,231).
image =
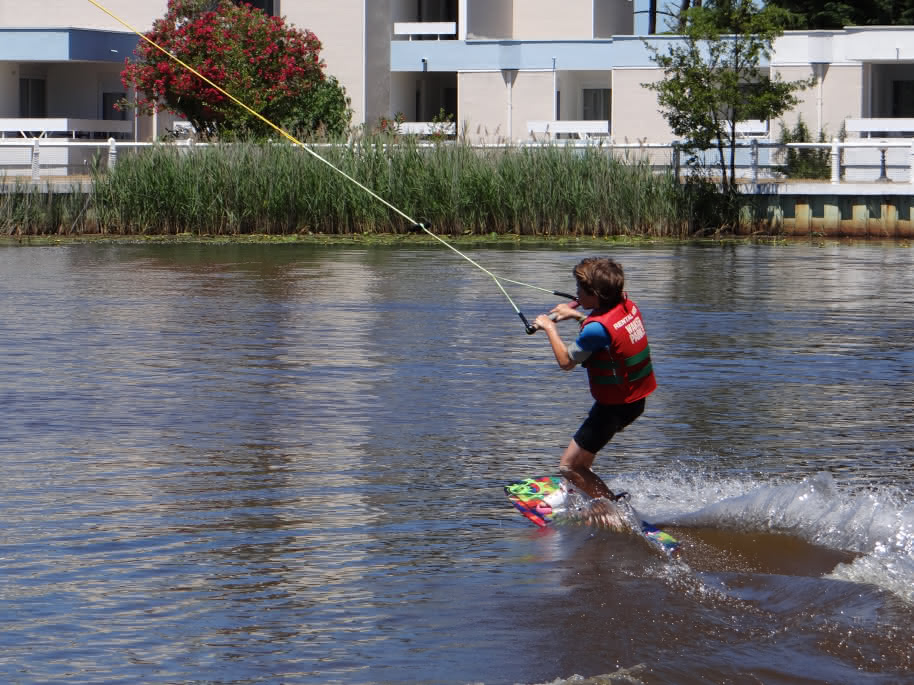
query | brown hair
(603,277)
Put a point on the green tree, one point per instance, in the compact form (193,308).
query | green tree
(273,68)
(815,14)
(714,78)
(683,6)
(323,110)
(804,162)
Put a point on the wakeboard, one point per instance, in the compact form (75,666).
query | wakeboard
(547,499)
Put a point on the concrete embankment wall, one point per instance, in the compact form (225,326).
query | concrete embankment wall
(886,216)
(860,210)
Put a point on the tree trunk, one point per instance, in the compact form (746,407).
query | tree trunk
(683,6)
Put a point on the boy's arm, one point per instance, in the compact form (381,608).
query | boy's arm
(592,337)
(558,347)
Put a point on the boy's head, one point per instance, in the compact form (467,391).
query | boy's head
(602,277)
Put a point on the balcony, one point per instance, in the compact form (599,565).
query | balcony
(429,129)
(425,29)
(577,129)
(749,128)
(46,127)
(892,127)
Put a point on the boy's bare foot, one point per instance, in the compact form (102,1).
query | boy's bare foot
(602,513)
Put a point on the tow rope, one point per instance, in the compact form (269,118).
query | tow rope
(416,225)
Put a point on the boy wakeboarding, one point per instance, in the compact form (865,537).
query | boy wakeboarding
(612,345)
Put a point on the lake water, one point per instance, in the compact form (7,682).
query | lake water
(284,464)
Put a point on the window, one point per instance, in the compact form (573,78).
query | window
(109,112)
(32,98)
(903,99)
(597,104)
(450,101)
(266,5)
(436,10)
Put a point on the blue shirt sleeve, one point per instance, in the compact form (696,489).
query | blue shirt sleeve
(593,337)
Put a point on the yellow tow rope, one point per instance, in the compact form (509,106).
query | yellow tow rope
(296,141)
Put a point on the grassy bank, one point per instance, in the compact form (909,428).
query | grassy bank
(280,190)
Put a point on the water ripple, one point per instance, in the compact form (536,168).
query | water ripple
(248,464)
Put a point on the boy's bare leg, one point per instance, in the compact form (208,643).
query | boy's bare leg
(575,467)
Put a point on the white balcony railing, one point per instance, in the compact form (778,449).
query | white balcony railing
(42,127)
(588,128)
(581,129)
(749,128)
(425,28)
(428,128)
(877,125)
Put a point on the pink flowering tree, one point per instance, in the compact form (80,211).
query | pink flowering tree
(271,67)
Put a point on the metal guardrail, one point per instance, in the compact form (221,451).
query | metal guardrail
(47,127)
(580,128)
(425,28)
(427,128)
(875,125)
(865,160)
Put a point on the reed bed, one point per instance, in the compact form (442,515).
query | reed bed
(455,189)
(26,210)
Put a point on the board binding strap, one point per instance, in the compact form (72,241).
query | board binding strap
(548,499)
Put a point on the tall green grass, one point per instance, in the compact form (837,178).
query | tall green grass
(454,188)
(28,210)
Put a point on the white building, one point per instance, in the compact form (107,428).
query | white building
(499,68)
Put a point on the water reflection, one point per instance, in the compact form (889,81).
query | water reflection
(284,463)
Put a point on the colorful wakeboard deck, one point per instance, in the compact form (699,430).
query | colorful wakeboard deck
(541,499)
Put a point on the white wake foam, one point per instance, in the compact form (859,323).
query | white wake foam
(876,523)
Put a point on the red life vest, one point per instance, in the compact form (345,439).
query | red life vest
(622,372)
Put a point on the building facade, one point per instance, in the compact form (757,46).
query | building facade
(500,70)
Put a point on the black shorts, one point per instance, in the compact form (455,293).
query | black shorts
(604,421)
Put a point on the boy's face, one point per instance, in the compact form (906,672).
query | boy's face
(587,299)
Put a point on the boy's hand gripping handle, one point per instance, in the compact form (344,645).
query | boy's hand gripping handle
(532,328)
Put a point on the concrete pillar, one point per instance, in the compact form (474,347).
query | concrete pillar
(36,161)
(112,153)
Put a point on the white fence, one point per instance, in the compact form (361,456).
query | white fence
(43,157)
(51,127)
(856,161)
